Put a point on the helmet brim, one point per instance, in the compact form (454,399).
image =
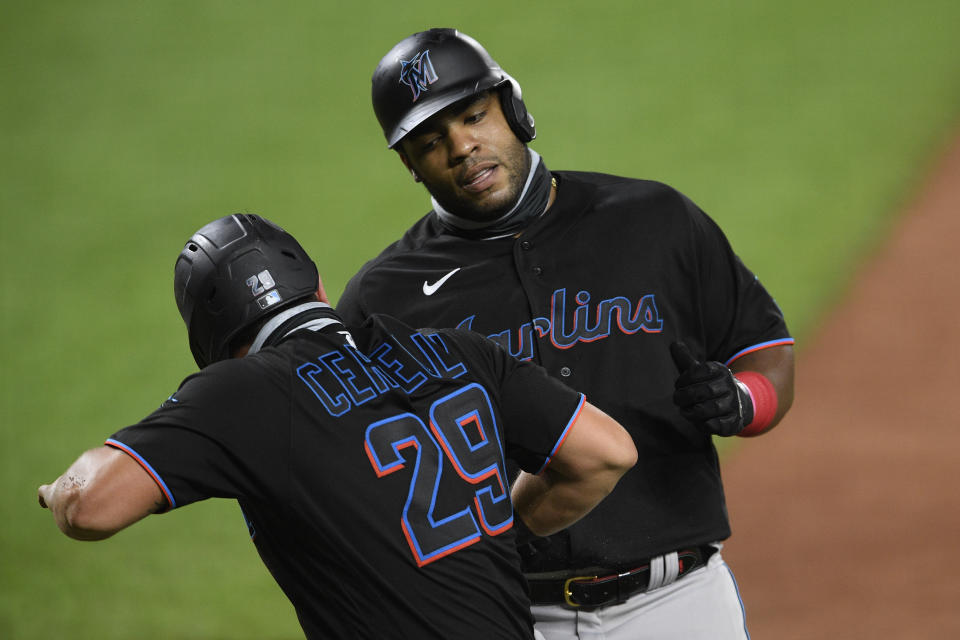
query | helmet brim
(422,112)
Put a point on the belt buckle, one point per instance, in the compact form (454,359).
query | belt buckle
(566,589)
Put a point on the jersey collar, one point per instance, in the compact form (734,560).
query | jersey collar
(313,316)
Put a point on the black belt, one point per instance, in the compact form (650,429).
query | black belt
(598,589)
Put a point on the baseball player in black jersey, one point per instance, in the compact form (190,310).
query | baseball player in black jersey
(368,461)
(620,287)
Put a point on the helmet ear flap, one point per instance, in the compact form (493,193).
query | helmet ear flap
(519,119)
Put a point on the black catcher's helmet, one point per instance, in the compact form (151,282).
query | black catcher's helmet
(433,69)
(231,274)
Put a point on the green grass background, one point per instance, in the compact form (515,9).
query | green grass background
(803,128)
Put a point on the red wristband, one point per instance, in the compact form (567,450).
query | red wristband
(764,398)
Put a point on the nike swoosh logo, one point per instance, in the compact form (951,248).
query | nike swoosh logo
(430,289)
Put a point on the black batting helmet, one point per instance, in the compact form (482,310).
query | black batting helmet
(231,274)
(433,69)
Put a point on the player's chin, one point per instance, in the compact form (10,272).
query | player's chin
(488,205)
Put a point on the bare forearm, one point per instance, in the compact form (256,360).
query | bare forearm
(102,492)
(777,365)
(63,498)
(548,503)
(596,452)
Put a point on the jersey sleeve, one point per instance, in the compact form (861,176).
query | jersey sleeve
(537,410)
(194,444)
(738,313)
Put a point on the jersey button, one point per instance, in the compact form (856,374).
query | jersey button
(565,372)
(525,245)
(538,271)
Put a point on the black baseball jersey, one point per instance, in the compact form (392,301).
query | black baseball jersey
(372,477)
(595,290)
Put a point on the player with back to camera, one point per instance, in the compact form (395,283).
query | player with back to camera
(620,287)
(368,461)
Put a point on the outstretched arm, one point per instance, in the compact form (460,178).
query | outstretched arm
(102,492)
(596,453)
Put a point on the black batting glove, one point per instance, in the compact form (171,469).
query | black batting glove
(709,395)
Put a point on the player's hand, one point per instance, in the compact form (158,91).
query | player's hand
(708,395)
(43,491)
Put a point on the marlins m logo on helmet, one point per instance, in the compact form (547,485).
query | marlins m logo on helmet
(418,73)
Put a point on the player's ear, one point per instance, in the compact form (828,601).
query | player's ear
(406,163)
(321,294)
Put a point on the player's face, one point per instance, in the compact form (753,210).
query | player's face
(468,158)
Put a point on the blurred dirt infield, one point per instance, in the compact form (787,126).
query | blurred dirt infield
(846,518)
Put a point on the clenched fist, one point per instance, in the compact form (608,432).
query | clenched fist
(709,395)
